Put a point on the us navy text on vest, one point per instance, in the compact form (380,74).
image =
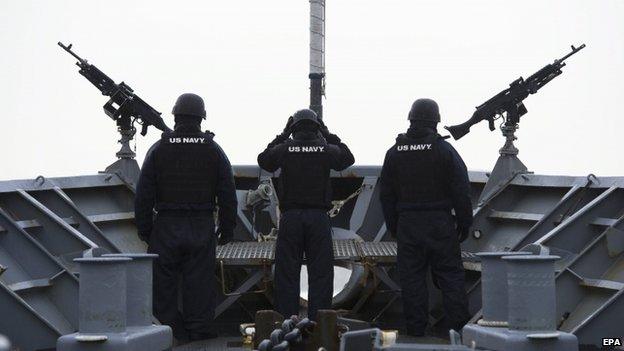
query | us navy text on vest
(306,148)
(187,140)
(414,147)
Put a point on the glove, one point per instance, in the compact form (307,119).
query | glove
(332,139)
(284,136)
(323,129)
(462,233)
(287,129)
(225,239)
(278,140)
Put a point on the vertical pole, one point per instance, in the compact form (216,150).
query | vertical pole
(317,56)
(325,333)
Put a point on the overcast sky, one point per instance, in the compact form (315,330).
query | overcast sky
(249,60)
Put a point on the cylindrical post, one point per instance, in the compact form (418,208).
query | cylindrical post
(494,288)
(266,322)
(532,299)
(317,36)
(317,55)
(102,295)
(139,288)
(326,331)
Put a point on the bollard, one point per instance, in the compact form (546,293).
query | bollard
(325,332)
(139,288)
(494,288)
(102,296)
(532,299)
(116,306)
(266,322)
(531,309)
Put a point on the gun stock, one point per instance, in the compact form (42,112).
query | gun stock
(459,130)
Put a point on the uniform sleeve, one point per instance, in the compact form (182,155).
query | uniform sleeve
(341,156)
(145,198)
(269,159)
(459,187)
(388,194)
(226,195)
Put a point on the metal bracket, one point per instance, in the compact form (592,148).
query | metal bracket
(246,285)
(260,291)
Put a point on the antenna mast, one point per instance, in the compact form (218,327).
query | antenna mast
(317,56)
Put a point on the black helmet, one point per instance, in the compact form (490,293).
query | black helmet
(425,110)
(305,115)
(189,105)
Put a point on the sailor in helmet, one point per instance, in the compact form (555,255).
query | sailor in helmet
(305,197)
(183,178)
(423,178)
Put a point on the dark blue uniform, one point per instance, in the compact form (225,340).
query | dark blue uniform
(184,177)
(422,180)
(305,196)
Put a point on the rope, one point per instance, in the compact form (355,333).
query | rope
(495,324)
(337,204)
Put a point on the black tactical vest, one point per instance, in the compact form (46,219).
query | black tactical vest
(418,167)
(304,178)
(186,165)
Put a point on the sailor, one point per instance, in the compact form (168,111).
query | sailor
(304,197)
(423,178)
(184,177)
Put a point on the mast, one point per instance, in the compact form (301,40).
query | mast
(317,56)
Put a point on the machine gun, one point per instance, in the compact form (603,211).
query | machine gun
(124,107)
(508,103)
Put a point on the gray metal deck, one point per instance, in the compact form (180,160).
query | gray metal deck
(44,223)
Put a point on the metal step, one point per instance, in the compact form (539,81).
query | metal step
(536,217)
(602,284)
(31,285)
(111,217)
(107,217)
(518,216)
(604,222)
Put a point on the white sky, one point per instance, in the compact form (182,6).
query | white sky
(249,60)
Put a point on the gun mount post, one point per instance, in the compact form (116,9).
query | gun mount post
(507,167)
(126,167)
(509,132)
(126,152)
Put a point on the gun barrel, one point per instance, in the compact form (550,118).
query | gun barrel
(574,51)
(68,49)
